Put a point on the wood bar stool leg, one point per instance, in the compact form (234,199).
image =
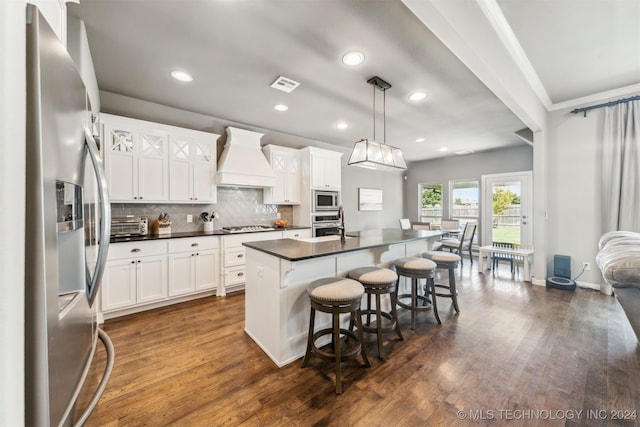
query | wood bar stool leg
(432,286)
(414,301)
(307,355)
(453,290)
(336,346)
(363,351)
(379,324)
(394,312)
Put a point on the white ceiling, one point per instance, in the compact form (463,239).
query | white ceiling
(236,48)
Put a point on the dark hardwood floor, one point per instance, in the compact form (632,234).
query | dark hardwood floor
(517,354)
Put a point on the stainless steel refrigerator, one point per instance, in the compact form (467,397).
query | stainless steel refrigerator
(66,236)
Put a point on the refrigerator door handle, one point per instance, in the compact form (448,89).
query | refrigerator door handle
(105,217)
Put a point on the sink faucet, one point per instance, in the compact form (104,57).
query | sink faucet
(343,234)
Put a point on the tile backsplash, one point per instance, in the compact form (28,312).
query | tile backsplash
(235,206)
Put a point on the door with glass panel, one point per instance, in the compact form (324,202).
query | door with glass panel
(507,211)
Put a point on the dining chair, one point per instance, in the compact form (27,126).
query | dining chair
(405,223)
(463,243)
(415,225)
(450,227)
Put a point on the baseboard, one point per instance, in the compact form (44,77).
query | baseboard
(587,285)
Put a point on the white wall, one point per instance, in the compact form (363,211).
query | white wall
(574,174)
(12,208)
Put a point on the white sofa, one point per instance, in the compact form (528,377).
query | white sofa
(619,261)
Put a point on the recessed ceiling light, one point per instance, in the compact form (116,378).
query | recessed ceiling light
(280,107)
(420,140)
(417,96)
(181,75)
(353,58)
(444,149)
(342,125)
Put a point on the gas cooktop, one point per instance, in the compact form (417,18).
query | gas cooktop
(247,228)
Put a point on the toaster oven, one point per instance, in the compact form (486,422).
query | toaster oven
(129,225)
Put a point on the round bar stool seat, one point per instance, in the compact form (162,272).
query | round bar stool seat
(336,295)
(446,261)
(379,281)
(417,268)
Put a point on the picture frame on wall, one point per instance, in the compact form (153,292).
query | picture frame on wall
(369,199)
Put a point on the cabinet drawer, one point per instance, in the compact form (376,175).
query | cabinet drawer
(233,276)
(237,240)
(303,233)
(136,249)
(234,257)
(190,244)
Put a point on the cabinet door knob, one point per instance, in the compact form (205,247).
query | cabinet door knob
(140,197)
(240,255)
(193,245)
(136,250)
(138,261)
(133,262)
(135,197)
(240,274)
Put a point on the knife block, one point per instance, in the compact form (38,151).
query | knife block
(161,226)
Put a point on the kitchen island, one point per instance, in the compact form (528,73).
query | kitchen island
(279,271)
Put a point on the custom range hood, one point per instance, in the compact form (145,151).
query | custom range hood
(242,163)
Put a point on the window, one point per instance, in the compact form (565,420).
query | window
(431,203)
(464,201)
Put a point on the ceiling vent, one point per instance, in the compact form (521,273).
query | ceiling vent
(285,84)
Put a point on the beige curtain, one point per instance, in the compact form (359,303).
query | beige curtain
(621,168)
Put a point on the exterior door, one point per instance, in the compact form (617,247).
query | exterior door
(507,208)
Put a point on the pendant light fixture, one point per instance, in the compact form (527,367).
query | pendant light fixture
(374,155)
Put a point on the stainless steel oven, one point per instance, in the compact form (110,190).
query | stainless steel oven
(325,200)
(325,223)
(325,229)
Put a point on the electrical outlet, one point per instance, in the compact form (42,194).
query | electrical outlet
(189,218)
(586,265)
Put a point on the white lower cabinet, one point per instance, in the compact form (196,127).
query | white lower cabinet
(135,274)
(193,265)
(234,269)
(149,274)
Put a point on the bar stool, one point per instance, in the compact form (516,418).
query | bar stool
(335,295)
(417,268)
(446,261)
(378,281)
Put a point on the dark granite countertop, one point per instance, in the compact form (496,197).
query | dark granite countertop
(297,250)
(193,234)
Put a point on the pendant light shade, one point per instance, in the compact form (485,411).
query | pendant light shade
(374,155)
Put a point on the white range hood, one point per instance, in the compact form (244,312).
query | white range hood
(242,163)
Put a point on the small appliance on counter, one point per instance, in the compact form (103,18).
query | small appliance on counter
(129,226)
(162,225)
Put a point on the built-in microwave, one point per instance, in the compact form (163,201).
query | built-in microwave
(326,200)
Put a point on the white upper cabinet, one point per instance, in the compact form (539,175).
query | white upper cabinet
(192,167)
(325,169)
(136,160)
(286,165)
(152,162)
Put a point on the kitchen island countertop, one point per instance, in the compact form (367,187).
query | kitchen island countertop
(301,249)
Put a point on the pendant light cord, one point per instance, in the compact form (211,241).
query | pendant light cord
(374,112)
